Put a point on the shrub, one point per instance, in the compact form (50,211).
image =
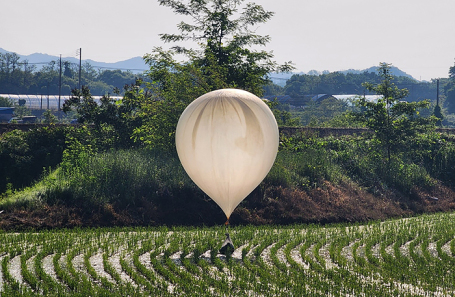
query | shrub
(23,155)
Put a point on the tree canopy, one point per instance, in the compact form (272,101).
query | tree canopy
(222,30)
(392,119)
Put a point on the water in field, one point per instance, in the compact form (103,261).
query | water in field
(406,257)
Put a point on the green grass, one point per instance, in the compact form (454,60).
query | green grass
(403,257)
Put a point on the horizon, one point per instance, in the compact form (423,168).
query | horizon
(319,72)
(315,35)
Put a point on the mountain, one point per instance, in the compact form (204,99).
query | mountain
(135,65)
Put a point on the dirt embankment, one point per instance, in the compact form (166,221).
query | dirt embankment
(327,204)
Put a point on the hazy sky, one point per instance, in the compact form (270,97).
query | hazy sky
(417,36)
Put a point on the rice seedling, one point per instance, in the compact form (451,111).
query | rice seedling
(405,257)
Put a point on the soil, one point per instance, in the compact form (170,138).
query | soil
(328,204)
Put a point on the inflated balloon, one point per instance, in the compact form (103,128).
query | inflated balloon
(227,141)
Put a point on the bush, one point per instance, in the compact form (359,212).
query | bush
(23,155)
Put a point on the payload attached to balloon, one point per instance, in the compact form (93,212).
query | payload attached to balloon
(227,141)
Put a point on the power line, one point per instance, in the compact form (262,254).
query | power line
(76,64)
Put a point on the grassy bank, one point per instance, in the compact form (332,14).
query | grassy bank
(332,179)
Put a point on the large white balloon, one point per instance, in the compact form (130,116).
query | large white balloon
(227,141)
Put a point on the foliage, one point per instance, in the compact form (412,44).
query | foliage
(452,72)
(19,77)
(301,86)
(49,117)
(114,121)
(283,117)
(324,112)
(393,121)
(6,102)
(223,60)
(438,114)
(449,90)
(173,86)
(225,42)
(124,177)
(21,110)
(272,89)
(23,155)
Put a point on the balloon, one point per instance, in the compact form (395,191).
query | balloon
(227,141)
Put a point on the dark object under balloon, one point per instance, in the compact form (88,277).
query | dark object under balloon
(228,246)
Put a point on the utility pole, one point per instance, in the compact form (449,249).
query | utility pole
(60,85)
(80,67)
(437,92)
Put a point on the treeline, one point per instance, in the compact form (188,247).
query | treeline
(299,86)
(302,88)
(21,77)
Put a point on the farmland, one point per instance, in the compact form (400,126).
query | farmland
(401,257)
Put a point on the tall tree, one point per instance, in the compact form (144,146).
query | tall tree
(223,31)
(393,120)
(223,58)
(452,72)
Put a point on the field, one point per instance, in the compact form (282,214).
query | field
(403,257)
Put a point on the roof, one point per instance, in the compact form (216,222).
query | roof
(45,101)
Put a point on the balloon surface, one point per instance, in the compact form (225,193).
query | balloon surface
(227,141)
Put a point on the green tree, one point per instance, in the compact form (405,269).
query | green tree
(438,114)
(452,72)
(393,120)
(6,102)
(49,117)
(21,111)
(223,59)
(224,35)
(114,121)
(283,117)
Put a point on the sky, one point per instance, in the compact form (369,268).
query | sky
(416,36)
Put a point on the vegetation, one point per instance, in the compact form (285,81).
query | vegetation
(144,186)
(393,121)
(337,83)
(5,102)
(120,160)
(20,77)
(407,257)
(118,167)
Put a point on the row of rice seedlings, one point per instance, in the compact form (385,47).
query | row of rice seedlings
(403,243)
(396,267)
(28,276)
(49,284)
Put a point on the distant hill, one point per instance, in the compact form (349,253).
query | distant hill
(135,64)
(393,70)
(281,78)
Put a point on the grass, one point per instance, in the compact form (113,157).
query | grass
(313,180)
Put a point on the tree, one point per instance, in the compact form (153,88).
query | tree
(49,117)
(452,72)
(223,59)
(392,120)
(114,121)
(225,41)
(6,102)
(438,114)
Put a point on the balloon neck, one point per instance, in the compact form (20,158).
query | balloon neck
(227,223)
